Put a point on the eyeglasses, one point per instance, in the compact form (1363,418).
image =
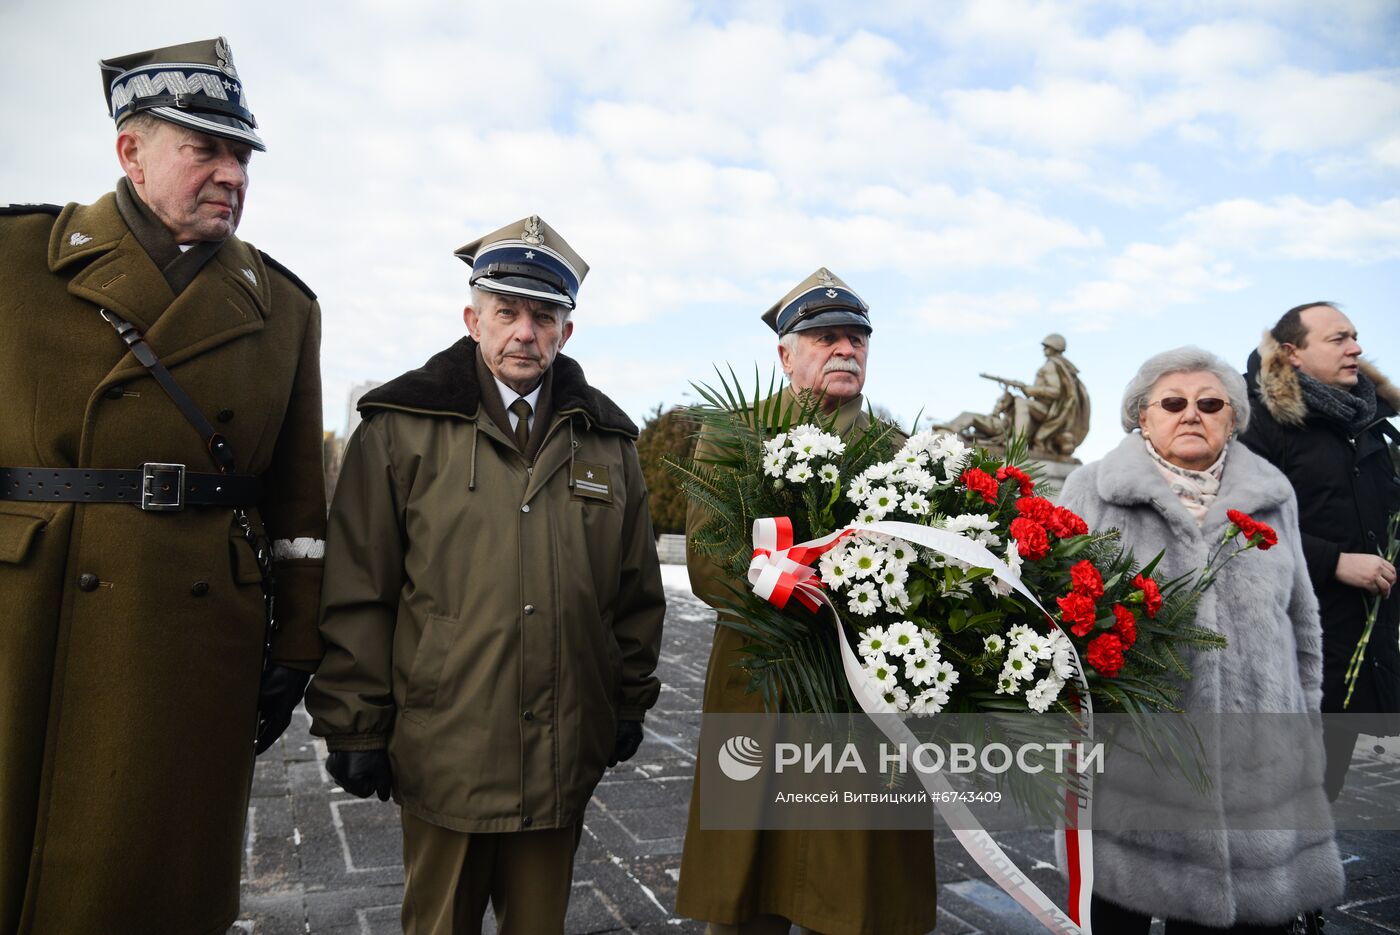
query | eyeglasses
(1206,404)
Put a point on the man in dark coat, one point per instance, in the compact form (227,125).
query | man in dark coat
(139,544)
(1322,420)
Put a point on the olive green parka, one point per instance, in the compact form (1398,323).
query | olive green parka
(488,615)
(837,882)
(127,704)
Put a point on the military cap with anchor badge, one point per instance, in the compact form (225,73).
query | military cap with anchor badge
(194,85)
(821,300)
(527,258)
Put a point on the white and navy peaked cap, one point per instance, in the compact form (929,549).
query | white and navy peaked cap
(821,300)
(527,258)
(194,85)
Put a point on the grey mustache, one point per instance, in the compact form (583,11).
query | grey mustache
(841,364)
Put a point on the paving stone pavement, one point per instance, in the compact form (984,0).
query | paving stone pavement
(320,861)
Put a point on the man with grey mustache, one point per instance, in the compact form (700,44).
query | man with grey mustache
(752,882)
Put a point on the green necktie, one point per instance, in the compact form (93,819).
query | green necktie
(521,409)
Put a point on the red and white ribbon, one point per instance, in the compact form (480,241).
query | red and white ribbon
(781,570)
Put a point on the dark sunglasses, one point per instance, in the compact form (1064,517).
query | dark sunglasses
(1206,404)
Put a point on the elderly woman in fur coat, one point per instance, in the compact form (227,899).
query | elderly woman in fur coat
(1167,487)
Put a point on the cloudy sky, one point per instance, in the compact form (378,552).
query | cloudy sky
(1135,176)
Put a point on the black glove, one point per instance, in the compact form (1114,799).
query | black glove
(362,773)
(629,738)
(278,697)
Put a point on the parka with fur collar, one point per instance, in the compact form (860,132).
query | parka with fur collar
(1263,604)
(488,615)
(1347,487)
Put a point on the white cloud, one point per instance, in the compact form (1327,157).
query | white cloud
(1145,279)
(1296,229)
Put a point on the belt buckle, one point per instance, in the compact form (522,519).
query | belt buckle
(158,483)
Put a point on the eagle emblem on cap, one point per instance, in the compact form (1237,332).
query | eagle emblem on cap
(824,277)
(534,233)
(225,57)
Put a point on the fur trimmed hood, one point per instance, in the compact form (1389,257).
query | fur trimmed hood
(447,384)
(1275,383)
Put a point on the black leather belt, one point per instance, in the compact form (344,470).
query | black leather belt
(152,486)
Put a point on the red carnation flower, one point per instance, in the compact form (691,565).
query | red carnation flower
(1031,539)
(1086,580)
(1079,611)
(1036,508)
(1023,480)
(1151,594)
(1267,538)
(1066,523)
(1244,522)
(1125,625)
(1106,654)
(979,481)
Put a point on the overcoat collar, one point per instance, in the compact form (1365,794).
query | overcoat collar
(230,297)
(448,385)
(1275,383)
(1128,477)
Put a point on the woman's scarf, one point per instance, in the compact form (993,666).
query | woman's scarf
(1196,490)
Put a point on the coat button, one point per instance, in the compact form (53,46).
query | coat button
(199,588)
(525,508)
(87,581)
(528,715)
(527,821)
(225,415)
(113,392)
(529,609)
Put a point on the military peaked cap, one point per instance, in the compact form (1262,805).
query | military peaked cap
(527,258)
(821,300)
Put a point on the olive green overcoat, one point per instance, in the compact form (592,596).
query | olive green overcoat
(836,882)
(488,614)
(127,708)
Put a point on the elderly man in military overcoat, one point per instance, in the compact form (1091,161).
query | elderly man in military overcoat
(161,509)
(832,882)
(493,602)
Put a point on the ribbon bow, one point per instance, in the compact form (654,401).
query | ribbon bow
(780,570)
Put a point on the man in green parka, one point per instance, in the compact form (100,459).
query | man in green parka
(161,506)
(493,602)
(831,882)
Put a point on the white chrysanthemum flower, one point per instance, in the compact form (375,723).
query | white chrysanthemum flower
(899,552)
(773,465)
(1018,631)
(776,443)
(864,560)
(835,571)
(1033,645)
(919,668)
(1007,684)
(945,676)
(893,574)
(993,643)
(881,673)
(929,641)
(896,599)
(911,457)
(873,642)
(1019,666)
(919,441)
(903,637)
(800,473)
(1044,693)
(917,477)
(878,472)
(859,491)
(975,526)
(897,697)
(915,504)
(829,474)
(868,516)
(927,702)
(863,599)
(882,500)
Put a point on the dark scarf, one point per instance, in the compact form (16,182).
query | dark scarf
(1353,408)
(179,267)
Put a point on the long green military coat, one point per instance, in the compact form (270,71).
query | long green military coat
(837,882)
(488,615)
(127,711)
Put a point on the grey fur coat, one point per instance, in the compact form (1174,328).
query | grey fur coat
(1263,603)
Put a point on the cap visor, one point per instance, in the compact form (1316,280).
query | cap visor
(831,318)
(524,286)
(214,124)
